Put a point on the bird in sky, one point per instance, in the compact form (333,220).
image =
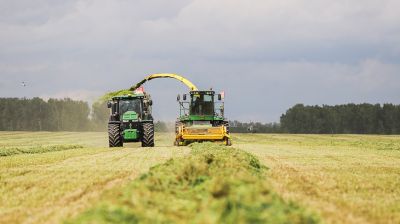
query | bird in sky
(23,84)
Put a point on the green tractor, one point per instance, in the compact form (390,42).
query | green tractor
(131,120)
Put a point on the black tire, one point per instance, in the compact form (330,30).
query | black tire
(148,135)
(226,124)
(228,142)
(177,125)
(114,136)
(179,142)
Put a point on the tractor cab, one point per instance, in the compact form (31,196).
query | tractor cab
(132,106)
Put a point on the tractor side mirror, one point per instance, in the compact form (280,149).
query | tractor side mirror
(219,97)
(114,107)
(184,97)
(178,98)
(109,104)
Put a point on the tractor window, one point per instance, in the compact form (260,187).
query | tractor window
(130,105)
(202,105)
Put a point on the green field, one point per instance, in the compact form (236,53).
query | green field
(52,177)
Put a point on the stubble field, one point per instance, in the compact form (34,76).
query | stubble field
(52,177)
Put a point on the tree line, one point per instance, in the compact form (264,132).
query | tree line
(38,115)
(21,114)
(35,114)
(342,119)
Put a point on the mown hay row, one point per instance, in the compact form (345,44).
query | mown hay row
(215,184)
(37,149)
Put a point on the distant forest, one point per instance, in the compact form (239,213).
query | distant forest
(53,115)
(69,115)
(348,119)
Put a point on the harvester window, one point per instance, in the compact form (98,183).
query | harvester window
(202,105)
(208,98)
(130,105)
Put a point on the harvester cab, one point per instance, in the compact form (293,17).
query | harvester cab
(201,118)
(131,120)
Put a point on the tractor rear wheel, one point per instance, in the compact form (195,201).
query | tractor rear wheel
(148,135)
(114,136)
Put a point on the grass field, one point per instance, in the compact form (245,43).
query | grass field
(50,177)
(345,178)
(46,187)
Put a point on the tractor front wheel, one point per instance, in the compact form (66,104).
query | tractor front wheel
(114,136)
(148,135)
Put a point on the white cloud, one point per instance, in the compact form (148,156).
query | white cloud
(213,28)
(282,52)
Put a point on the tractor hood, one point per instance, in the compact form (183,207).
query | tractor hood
(130,115)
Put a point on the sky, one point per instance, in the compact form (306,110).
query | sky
(266,55)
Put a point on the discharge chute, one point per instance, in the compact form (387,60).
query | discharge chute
(188,83)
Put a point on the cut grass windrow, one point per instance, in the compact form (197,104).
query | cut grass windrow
(215,184)
(37,149)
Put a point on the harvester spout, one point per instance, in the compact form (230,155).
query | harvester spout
(188,83)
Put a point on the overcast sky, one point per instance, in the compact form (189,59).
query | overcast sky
(267,55)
